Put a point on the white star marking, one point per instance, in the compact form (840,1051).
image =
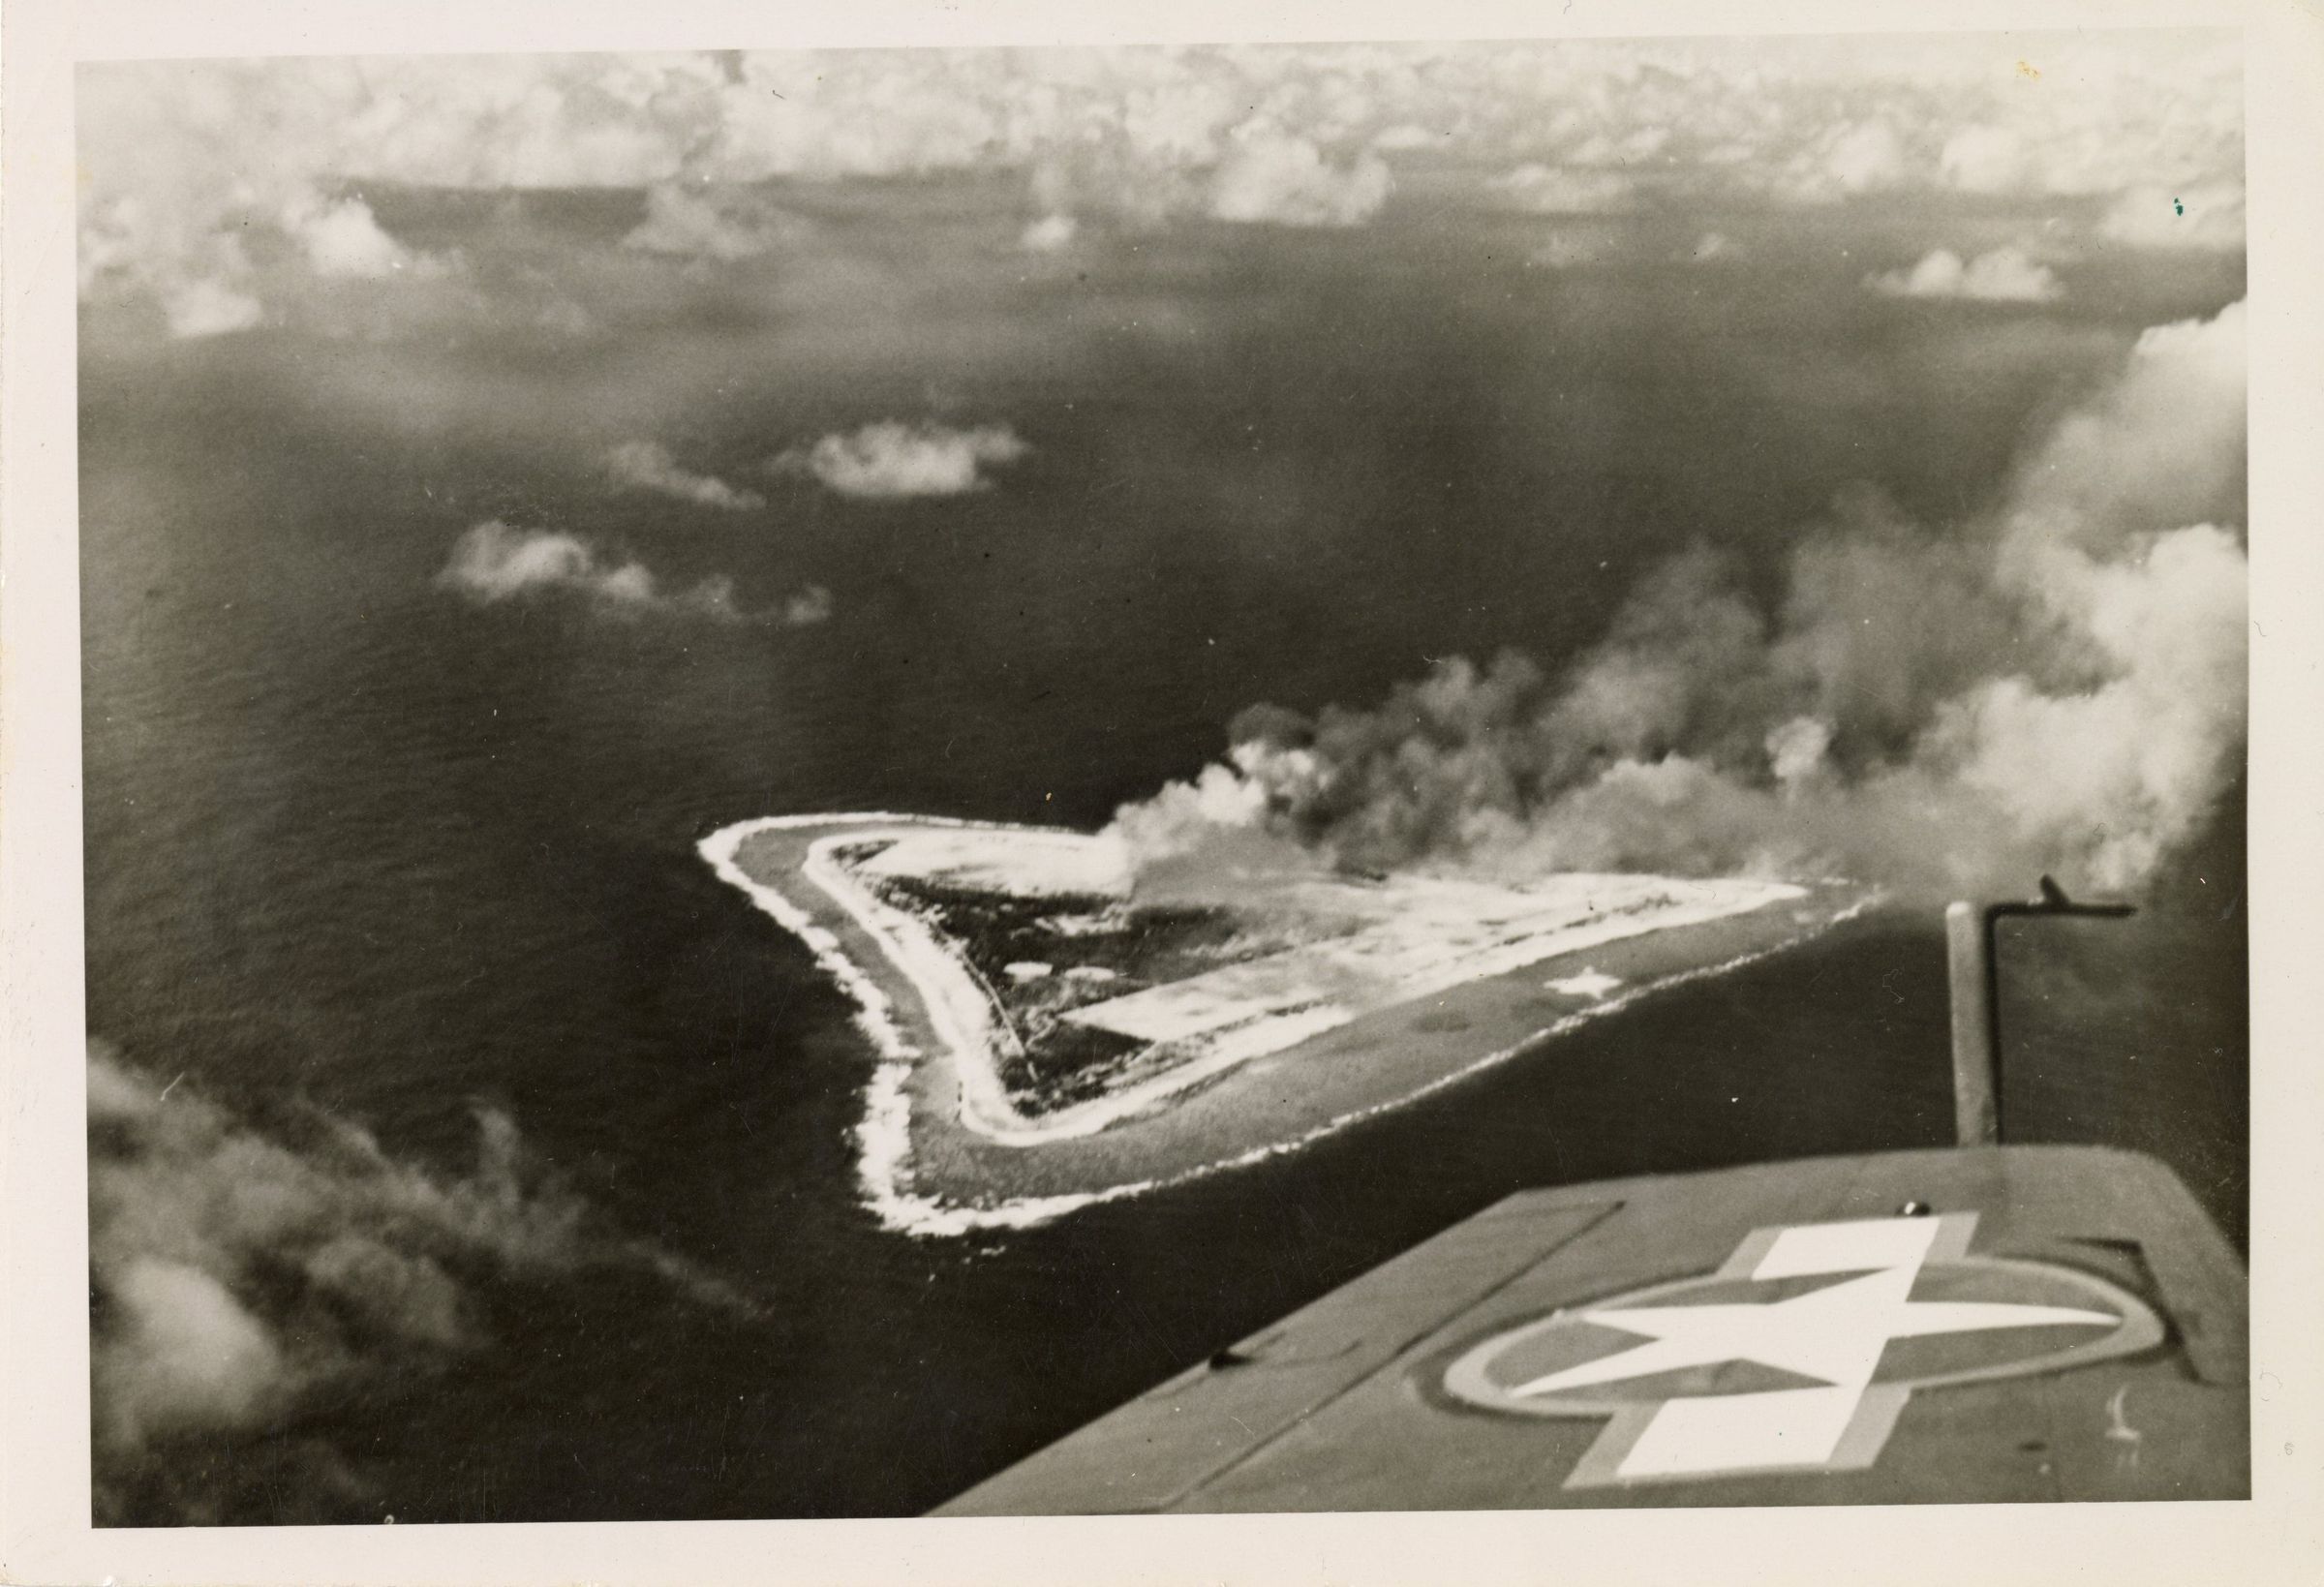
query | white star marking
(1834,1334)
(1593,984)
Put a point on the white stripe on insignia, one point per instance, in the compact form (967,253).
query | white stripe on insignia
(1836,1335)
(1848,1247)
(1742,1432)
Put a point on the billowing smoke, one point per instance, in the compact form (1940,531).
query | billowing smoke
(2057,684)
(239,1282)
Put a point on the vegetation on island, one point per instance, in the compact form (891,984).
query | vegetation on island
(1039,958)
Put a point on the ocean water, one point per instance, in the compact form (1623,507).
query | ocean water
(357,848)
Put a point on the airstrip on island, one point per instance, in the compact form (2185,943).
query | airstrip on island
(1049,1036)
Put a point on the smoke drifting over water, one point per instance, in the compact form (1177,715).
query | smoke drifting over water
(2058,684)
(241,1284)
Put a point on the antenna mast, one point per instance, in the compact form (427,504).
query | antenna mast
(1977,1005)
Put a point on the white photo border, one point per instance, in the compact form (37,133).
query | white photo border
(44,1477)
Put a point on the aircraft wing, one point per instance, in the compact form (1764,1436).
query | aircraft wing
(1995,1323)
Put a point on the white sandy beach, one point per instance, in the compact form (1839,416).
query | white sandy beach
(939,1110)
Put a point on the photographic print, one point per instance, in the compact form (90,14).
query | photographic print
(1453,775)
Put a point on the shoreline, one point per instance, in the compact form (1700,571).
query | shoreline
(942,1148)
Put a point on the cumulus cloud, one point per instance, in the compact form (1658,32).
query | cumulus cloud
(2055,685)
(809,606)
(1989,159)
(183,158)
(1846,160)
(1050,235)
(1278,176)
(210,308)
(2005,275)
(239,1277)
(342,238)
(891,460)
(495,562)
(204,181)
(648,466)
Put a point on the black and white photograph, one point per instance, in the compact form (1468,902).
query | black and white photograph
(1465,775)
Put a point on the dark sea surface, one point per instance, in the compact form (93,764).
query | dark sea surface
(356,845)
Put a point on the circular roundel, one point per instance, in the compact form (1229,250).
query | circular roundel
(1962,1322)
(1800,1352)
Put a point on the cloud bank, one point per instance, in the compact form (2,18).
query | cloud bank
(891,461)
(203,178)
(2057,685)
(648,466)
(239,1279)
(2004,276)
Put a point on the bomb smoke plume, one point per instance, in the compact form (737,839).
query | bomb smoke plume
(2056,683)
